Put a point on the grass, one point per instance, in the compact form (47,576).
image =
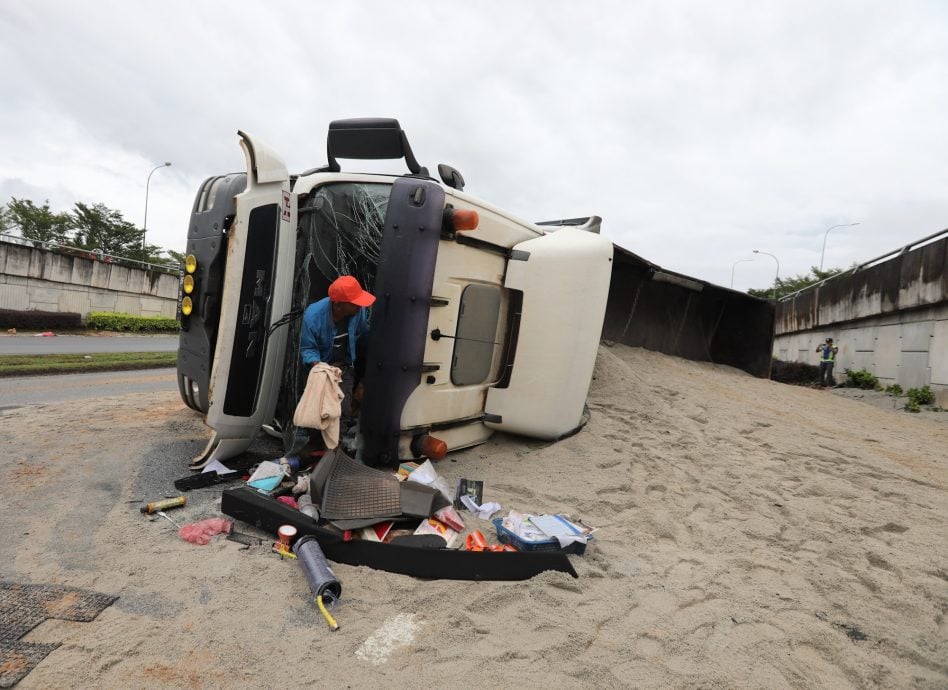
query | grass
(26,365)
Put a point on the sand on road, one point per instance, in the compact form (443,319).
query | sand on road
(751,534)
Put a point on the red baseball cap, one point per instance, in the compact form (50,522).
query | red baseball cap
(347,289)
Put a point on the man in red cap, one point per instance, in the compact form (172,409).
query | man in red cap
(332,327)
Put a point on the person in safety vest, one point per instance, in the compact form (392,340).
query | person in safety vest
(827,352)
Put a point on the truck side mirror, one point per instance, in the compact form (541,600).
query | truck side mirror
(369,138)
(451,177)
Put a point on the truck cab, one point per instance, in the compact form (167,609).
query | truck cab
(482,321)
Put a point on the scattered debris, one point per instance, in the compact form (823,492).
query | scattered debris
(436,527)
(201,532)
(23,607)
(164,515)
(397,556)
(288,501)
(322,581)
(472,488)
(167,504)
(267,476)
(245,539)
(476,541)
(286,534)
(542,533)
(203,480)
(483,512)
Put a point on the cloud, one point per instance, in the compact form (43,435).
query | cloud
(698,131)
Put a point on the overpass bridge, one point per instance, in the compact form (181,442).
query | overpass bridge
(38,276)
(888,316)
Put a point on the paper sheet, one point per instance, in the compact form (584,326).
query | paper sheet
(483,512)
(217,466)
(426,474)
(562,530)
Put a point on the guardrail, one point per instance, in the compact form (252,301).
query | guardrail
(93,254)
(872,262)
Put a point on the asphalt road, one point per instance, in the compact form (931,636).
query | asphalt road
(84,344)
(20,391)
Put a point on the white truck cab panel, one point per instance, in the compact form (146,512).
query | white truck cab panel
(511,310)
(564,278)
(244,377)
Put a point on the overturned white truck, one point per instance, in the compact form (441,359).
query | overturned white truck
(482,321)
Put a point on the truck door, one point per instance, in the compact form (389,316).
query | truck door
(245,375)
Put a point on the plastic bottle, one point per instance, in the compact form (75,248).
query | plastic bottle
(305,505)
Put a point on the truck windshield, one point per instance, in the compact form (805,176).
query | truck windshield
(339,233)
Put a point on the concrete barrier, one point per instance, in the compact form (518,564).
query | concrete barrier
(35,278)
(890,318)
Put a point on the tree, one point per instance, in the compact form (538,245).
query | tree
(36,222)
(177,258)
(99,228)
(787,286)
(89,227)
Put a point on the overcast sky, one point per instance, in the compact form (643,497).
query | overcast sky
(699,131)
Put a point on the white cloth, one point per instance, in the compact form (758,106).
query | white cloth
(320,406)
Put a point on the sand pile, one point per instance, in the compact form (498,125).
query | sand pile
(751,534)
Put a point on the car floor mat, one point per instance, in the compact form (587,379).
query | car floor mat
(354,491)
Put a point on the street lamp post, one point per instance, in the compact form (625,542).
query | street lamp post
(735,266)
(145,224)
(773,295)
(826,234)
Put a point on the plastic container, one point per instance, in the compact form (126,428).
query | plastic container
(305,505)
(167,504)
(505,536)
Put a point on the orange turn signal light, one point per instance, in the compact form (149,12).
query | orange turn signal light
(455,220)
(465,219)
(429,447)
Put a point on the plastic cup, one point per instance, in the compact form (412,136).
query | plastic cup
(286,533)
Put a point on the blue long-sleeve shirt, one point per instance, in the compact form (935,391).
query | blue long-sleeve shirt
(318,331)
